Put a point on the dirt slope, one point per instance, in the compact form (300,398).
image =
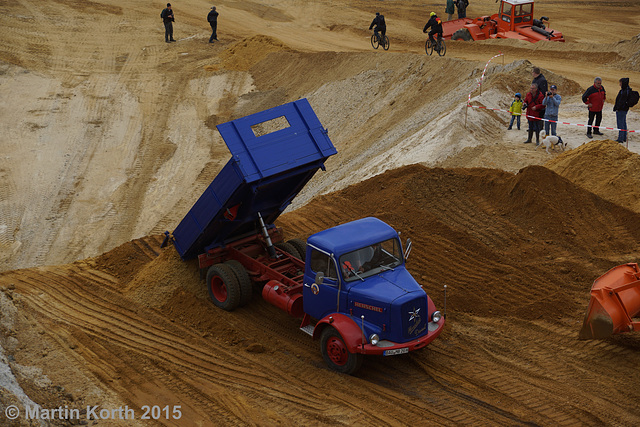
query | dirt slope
(517,253)
(110,132)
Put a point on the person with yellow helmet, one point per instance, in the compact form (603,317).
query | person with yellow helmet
(435,24)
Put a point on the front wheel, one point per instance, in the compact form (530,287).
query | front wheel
(374,41)
(443,48)
(385,41)
(335,352)
(428,47)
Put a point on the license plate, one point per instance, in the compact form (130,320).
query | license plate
(396,351)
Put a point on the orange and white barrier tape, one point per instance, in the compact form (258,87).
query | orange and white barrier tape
(551,121)
(483,73)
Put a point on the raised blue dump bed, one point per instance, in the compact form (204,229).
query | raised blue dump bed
(263,176)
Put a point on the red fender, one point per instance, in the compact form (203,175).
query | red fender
(349,330)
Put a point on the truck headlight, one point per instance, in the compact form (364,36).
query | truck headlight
(374,339)
(436,316)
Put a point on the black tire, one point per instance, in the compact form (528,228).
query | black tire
(443,48)
(223,287)
(462,34)
(335,352)
(385,43)
(300,246)
(244,281)
(288,248)
(428,47)
(374,41)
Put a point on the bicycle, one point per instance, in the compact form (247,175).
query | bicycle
(377,40)
(440,47)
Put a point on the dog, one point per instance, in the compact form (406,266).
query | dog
(551,141)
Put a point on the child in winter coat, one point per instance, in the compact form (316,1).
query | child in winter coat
(515,110)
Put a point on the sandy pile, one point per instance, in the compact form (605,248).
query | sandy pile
(605,168)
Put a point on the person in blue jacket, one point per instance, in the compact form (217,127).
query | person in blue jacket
(552,105)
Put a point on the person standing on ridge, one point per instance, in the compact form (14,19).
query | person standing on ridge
(594,97)
(168,20)
(449,9)
(621,107)
(516,110)
(539,80)
(381,26)
(462,8)
(535,110)
(212,17)
(552,104)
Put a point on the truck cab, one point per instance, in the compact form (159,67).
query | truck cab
(356,283)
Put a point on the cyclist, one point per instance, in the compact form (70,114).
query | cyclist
(435,24)
(381,26)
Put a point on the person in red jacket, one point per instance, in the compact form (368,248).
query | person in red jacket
(594,97)
(535,111)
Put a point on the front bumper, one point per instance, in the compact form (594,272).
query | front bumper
(388,348)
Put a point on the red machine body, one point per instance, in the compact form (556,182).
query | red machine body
(514,20)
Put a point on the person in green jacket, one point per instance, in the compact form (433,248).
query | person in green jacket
(449,9)
(515,110)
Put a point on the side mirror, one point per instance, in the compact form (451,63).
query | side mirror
(407,251)
(319,278)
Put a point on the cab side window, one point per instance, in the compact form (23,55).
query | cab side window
(321,262)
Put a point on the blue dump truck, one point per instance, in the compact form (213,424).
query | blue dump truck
(348,284)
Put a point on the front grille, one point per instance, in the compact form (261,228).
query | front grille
(415,318)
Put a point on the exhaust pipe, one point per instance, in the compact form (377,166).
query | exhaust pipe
(545,33)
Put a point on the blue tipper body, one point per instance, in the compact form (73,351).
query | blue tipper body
(263,176)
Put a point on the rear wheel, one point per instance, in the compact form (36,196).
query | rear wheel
(428,47)
(301,247)
(461,34)
(288,248)
(244,281)
(385,41)
(443,48)
(223,287)
(374,41)
(335,352)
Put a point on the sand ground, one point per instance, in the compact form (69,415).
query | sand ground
(108,137)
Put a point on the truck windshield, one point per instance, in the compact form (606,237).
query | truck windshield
(370,260)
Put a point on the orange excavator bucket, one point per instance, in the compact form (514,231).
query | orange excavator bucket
(614,307)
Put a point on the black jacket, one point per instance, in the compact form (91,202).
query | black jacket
(542,84)
(167,15)
(621,99)
(435,23)
(212,17)
(378,21)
